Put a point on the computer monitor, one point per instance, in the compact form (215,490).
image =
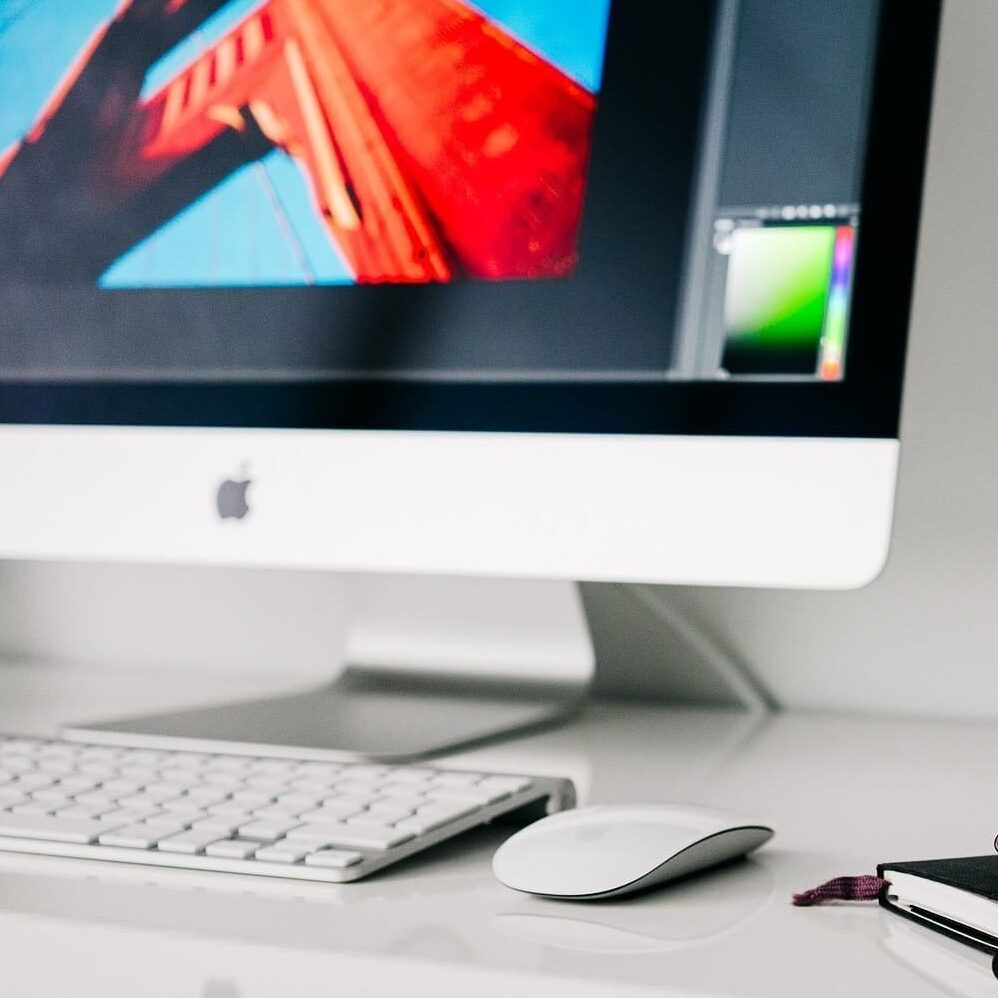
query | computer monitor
(555,289)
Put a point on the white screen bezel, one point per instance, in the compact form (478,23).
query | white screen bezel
(734,511)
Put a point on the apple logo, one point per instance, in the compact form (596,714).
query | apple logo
(231,498)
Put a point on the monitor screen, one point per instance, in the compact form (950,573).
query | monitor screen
(559,215)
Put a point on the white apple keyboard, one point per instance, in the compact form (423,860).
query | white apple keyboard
(265,816)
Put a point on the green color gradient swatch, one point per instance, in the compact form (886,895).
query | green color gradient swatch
(777,297)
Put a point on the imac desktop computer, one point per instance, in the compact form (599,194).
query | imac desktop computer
(542,291)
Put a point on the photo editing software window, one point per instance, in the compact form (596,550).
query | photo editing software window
(282,189)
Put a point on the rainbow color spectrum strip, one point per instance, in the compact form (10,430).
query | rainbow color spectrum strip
(833,346)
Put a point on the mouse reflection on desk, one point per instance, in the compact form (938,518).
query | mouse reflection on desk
(609,851)
(697,912)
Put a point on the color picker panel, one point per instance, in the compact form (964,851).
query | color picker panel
(777,297)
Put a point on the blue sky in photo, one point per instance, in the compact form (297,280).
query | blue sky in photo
(188,50)
(569,33)
(231,236)
(39,39)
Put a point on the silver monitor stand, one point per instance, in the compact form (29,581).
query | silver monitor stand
(437,665)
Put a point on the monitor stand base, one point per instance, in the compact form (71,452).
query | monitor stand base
(433,665)
(367,715)
(509,657)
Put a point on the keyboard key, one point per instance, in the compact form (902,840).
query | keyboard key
(34,781)
(18,764)
(133,837)
(341,808)
(33,807)
(95,799)
(120,788)
(283,852)
(224,825)
(189,843)
(411,801)
(507,784)
(404,791)
(78,784)
(367,819)
(387,813)
(232,849)
(328,813)
(138,801)
(298,802)
(70,809)
(59,750)
(99,770)
(182,805)
(318,832)
(57,767)
(223,780)
(53,795)
(271,785)
(333,859)
(364,791)
(205,796)
(249,800)
(141,774)
(267,831)
(275,813)
(447,810)
(161,791)
(163,825)
(227,807)
(125,815)
(344,835)
(180,777)
(429,819)
(311,785)
(357,800)
(182,818)
(415,826)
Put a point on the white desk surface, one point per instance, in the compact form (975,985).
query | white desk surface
(842,793)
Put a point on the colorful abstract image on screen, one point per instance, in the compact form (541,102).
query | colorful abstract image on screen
(198,143)
(787,300)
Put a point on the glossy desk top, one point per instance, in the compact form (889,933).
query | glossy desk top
(843,794)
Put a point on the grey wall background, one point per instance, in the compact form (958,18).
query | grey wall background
(922,640)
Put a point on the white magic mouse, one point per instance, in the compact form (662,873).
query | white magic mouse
(605,851)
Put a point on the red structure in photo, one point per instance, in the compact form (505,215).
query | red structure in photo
(435,143)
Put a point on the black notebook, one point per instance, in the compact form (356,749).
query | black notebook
(958,897)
